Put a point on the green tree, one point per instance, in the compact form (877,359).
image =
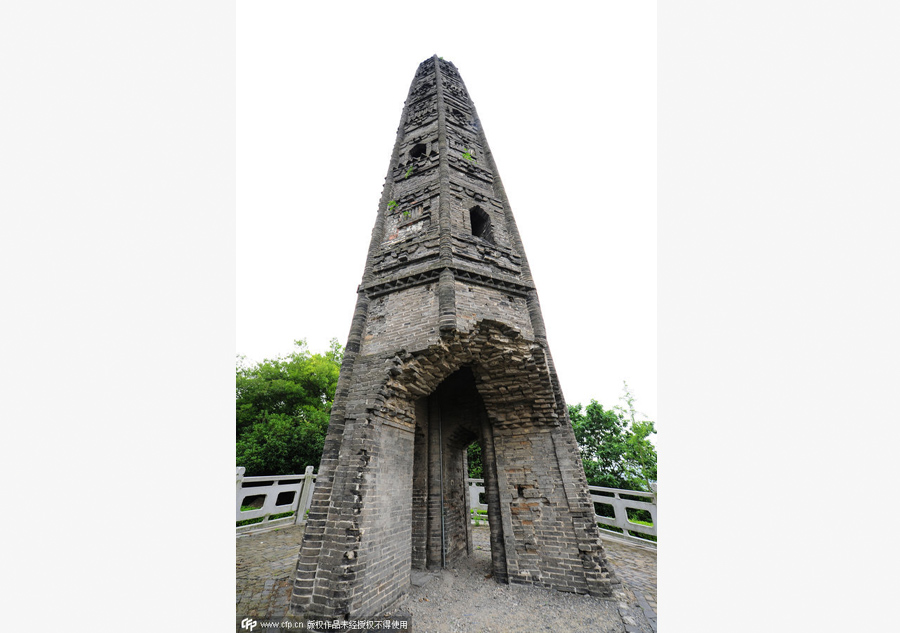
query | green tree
(640,452)
(615,446)
(600,434)
(282,409)
(474,456)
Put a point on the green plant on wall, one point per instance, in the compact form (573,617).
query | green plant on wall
(406,214)
(468,155)
(391,205)
(408,172)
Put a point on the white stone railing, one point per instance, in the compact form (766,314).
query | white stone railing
(282,494)
(476,489)
(271,495)
(631,532)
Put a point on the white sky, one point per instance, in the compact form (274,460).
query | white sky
(568,104)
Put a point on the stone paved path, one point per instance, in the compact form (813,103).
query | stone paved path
(636,568)
(265,565)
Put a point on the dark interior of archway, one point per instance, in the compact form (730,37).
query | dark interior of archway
(447,422)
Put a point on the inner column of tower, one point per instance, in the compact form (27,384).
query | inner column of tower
(447,422)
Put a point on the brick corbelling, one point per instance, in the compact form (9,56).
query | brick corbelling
(431,272)
(487,347)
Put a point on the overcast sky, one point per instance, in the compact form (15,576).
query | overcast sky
(568,104)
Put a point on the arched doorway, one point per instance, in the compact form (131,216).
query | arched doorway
(447,422)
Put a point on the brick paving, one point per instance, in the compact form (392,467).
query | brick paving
(265,565)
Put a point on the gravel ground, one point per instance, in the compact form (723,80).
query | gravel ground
(464,599)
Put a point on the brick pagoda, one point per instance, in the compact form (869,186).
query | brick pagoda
(447,347)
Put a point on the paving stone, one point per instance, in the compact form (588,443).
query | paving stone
(636,567)
(269,596)
(264,568)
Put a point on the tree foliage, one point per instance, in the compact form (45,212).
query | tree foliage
(282,409)
(615,447)
(474,456)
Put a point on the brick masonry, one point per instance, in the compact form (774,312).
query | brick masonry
(447,347)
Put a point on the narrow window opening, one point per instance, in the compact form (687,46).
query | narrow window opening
(418,150)
(481,224)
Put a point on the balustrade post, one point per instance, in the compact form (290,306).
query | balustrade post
(240,484)
(621,514)
(305,494)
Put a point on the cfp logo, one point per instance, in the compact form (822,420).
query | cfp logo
(248,624)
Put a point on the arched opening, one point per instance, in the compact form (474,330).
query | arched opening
(448,422)
(478,508)
(481,224)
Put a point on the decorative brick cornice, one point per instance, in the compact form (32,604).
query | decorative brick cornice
(516,288)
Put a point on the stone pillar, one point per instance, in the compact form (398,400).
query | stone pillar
(240,482)
(305,495)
